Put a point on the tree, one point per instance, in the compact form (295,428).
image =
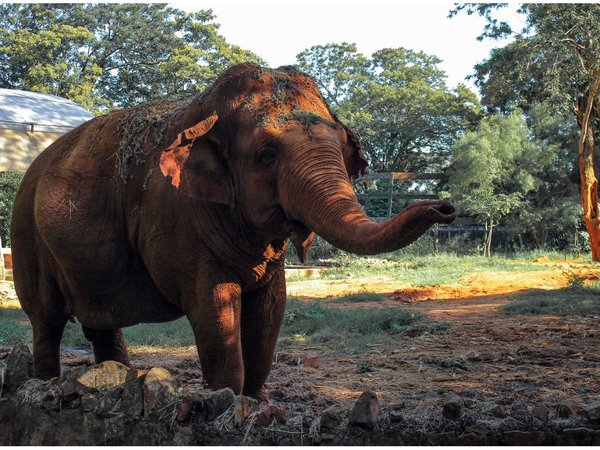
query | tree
(397,101)
(111,55)
(494,169)
(555,58)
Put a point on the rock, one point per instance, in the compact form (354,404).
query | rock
(396,416)
(243,407)
(445,438)
(580,436)
(519,411)
(2,375)
(312,359)
(563,411)
(132,403)
(19,367)
(522,438)
(216,403)
(265,412)
(280,414)
(159,388)
(103,376)
(109,402)
(541,412)
(453,406)
(67,383)
(365,411)
(331,418)
(190,404)
(497,410)
(591,411)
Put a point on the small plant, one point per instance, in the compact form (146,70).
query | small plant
(574,279)
(364,367)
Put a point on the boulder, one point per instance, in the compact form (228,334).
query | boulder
(217,402)
(19,367)
(132,403)
(67,383)
(101,377)
(159,389)
(365,411)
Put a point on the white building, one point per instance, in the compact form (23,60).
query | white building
(30,122)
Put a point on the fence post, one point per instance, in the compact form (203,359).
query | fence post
(391,197)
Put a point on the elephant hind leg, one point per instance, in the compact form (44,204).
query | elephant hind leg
(44,304)
(46,347)
(108,345)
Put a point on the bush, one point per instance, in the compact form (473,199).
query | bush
(9,184)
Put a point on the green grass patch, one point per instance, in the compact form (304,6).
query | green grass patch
(13,331)
(361,297)
(573,300)
(430,270)
(350,328)
(168,334)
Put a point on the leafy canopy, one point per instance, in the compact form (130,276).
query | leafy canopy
(106,55)
(495,167)
(397,101)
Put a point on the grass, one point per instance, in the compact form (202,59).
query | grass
(430,270)
(572,300)
(349,329)
(355,315)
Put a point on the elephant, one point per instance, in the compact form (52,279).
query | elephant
(185,208)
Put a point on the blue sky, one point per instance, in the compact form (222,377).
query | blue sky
(278,30)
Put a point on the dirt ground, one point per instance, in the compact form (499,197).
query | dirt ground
(497,362)
(484,353)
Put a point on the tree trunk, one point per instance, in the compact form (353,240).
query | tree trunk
(589,182)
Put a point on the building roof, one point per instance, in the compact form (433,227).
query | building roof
(30,122)
(19,109)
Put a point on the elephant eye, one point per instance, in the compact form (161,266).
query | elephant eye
(267,156)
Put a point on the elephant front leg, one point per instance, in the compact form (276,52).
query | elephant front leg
(215,318)
(262,315)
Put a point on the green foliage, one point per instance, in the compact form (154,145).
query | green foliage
(396,101)
(547,71)
(105,55)
(9,185)
(495,168)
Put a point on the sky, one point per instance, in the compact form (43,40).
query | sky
(278,30)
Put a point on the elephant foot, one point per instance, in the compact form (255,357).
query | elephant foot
(257,394)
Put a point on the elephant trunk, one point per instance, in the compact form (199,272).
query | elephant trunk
(318,193)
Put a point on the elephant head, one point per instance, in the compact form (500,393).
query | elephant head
(266,143)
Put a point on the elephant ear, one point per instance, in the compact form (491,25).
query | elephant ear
(356,163)
(194,166)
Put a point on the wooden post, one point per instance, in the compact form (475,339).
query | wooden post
(390,198)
